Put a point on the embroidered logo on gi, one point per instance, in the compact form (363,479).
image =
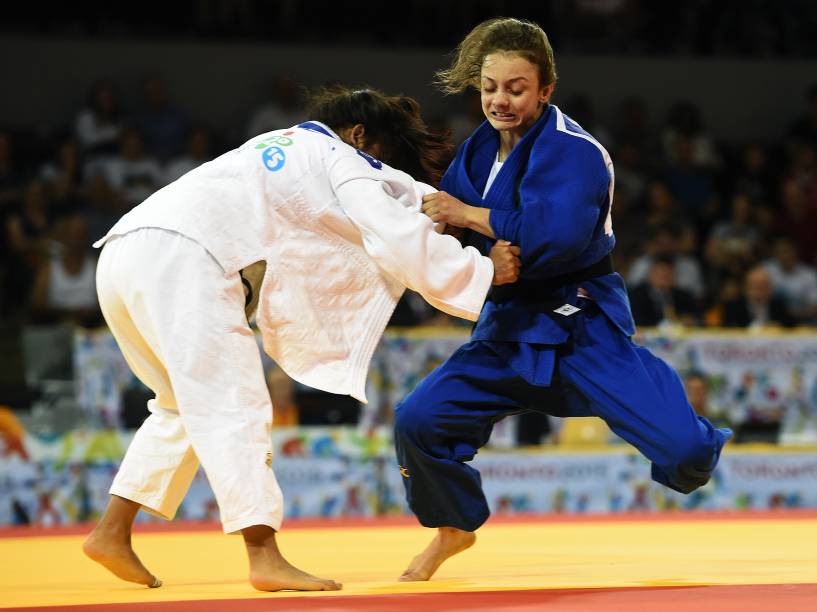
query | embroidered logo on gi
(404,472)
(268,460)
(274,158)
(566,310)
(377,165)
(276,139)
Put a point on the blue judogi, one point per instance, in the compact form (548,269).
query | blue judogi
(538,344)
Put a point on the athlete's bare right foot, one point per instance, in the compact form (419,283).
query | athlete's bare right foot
(286,577)
(448,542)
(114,552)
(269,571)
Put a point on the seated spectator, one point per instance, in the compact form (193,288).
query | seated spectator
(729,288)
(757,307)
(103,206)
(732,245)
(803,169)
(65,287)
(697,389)
(98,126)
(665,241)
(632,125)
(132,175)
(580,109)
(738,236)
(162,124)
(630,173)
(26,240)
(794,280)
(198,152)
(27,229)
(629,227)
(282,109)
(11,178)
(754,177)
(685,120)
(691,185)
(658,301)
(663,211)
(797,220)
(64,176)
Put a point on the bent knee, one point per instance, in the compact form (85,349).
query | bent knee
(412,418)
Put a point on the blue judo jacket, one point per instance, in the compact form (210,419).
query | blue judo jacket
(552,198)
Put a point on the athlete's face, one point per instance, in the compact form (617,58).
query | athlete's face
(512,98)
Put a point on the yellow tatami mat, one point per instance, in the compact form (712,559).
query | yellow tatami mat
(539,554)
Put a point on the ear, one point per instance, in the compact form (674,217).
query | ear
(357,136)
(546,92)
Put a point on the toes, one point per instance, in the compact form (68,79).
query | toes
(155,584)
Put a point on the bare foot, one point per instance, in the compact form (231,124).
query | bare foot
(448,542)
(269,571)
(283,576)
(114,552)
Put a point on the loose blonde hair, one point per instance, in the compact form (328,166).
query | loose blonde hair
(498,35)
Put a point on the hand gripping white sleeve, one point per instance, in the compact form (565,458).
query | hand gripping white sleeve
(405,244)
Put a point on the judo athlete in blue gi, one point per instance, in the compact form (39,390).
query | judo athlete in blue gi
(558,339)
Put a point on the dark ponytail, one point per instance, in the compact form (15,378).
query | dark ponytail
(393,122)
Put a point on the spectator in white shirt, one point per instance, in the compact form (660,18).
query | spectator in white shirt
(794,280)
(132,174)
(98,126)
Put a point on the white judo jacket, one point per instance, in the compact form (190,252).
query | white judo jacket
(342,236)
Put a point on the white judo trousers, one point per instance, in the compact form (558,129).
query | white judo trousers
(180,323)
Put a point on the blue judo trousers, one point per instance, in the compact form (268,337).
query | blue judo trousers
(538,344)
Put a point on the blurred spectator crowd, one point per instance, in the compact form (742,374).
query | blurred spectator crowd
(710,233)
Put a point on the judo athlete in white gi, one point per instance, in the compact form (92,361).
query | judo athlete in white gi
(557,341)
(342,236)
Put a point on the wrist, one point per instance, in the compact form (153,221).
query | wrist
(471,217)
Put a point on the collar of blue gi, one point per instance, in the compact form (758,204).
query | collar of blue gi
(480,153)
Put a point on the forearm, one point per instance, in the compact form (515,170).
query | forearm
(478,220)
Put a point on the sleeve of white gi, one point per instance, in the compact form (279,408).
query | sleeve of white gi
(384,204)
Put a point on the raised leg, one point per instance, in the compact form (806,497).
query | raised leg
(447,543)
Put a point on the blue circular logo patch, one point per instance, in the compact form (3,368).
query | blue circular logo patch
(274,158)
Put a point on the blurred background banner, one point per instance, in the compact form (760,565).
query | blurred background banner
(66,480)
(709,112)
(757,387)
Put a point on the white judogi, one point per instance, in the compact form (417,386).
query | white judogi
(342,237)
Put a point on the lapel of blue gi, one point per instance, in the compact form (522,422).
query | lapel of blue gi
(481,154)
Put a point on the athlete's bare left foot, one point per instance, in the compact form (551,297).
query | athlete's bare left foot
(448,542)
(114,552)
